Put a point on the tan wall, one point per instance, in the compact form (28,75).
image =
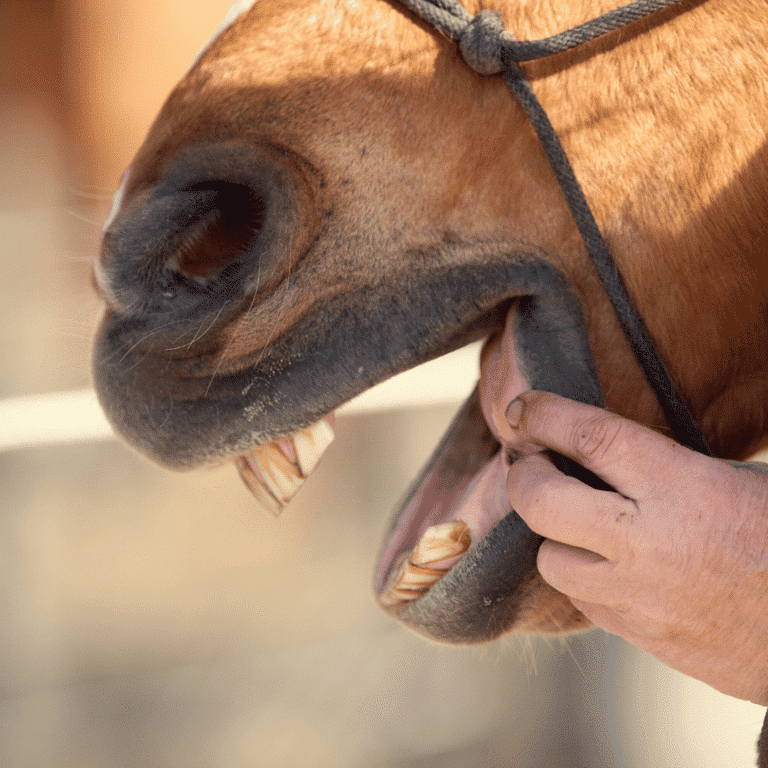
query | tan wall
(101,68)
(122,59)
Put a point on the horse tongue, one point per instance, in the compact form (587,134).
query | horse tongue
(485,501)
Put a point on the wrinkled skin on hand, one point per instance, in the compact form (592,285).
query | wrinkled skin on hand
(675,561)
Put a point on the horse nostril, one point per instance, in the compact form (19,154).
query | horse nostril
(184,247)
(220,223)
(221,236)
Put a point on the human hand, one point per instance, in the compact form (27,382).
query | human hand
(675,560)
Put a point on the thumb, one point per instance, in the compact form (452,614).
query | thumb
(627,455)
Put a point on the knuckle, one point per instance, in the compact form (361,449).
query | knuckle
(543,507)
(525,490)
(592,439)
(541,500)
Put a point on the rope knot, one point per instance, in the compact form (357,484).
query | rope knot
(481,43)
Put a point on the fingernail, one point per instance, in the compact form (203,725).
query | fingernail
(515,412)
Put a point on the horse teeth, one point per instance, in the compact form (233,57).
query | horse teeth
(441,542)
(417,577)
(395,596)
(411,582)
(310,444)
(273,473)
(414,576)
(255,485)
(280,476)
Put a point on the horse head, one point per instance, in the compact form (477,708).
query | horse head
(331,196)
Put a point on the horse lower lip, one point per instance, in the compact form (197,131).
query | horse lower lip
(274,473)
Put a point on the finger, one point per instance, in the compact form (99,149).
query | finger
(603,616)
(566,510)
(628,456)
(635,629)
(579,574)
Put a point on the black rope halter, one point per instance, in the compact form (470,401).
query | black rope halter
(489,50)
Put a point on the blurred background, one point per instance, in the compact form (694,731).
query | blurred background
(154,619)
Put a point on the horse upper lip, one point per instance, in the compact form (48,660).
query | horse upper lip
(186,407)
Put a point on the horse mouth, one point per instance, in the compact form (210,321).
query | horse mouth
(459,498)
(271,415)
(247,361)
(458,564)
(448,514)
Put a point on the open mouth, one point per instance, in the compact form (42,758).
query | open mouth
(195,370)
(449,513)
(458,563)
(446,513)
(458,514)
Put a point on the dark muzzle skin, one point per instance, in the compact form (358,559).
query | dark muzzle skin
(163,376)
(182,262)
(163,364)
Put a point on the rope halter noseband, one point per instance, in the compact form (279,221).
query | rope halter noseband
(489,50)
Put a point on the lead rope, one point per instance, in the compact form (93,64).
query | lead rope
(489,50)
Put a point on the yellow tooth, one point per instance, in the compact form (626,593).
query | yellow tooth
(412,582)
(278,474)
(440,542)
(273,473)
(418,577)
(394,596)
(254,484)
(414,577)
(310,444)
